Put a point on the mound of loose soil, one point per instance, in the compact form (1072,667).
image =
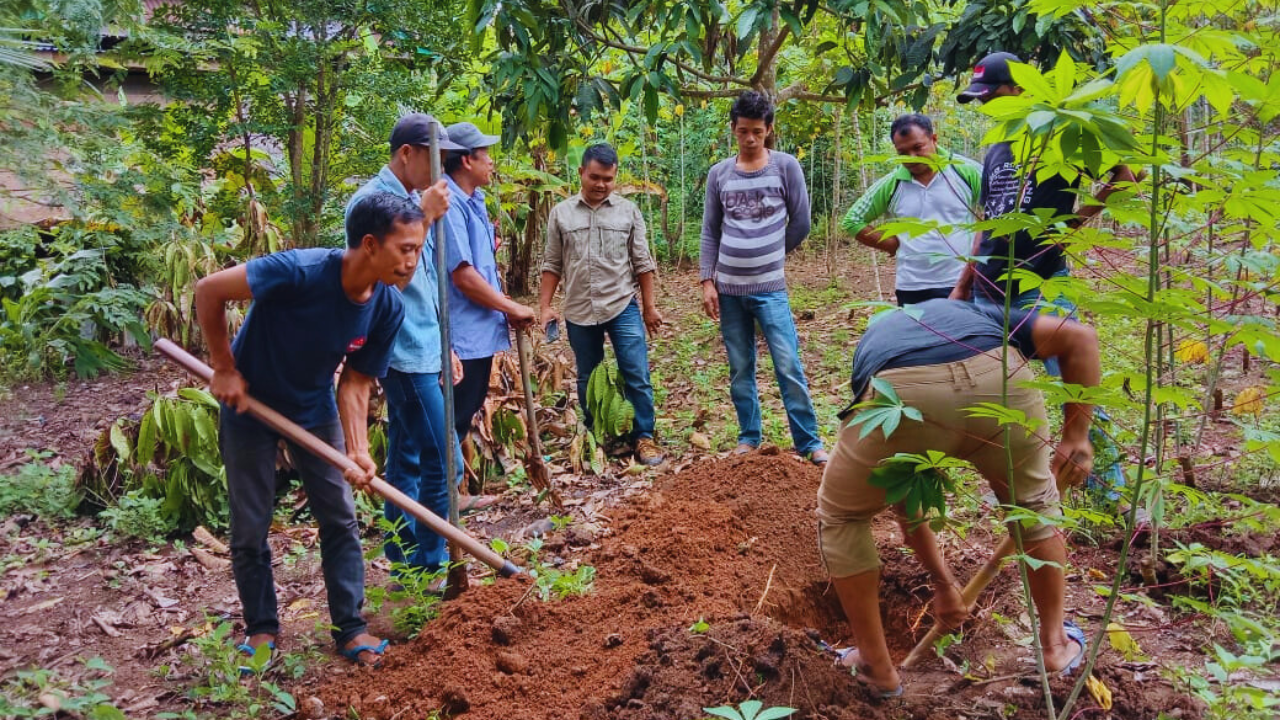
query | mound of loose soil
(730,541)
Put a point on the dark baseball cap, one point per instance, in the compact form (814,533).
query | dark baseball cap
(989,74)
(414,129)
(470,137)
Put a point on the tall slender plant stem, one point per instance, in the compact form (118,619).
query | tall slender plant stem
(1015,528)
(1150,350)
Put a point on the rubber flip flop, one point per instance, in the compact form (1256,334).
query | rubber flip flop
(249,651)
(353,654)
(877,693)
(1074,633)
(475,503)
(818,457)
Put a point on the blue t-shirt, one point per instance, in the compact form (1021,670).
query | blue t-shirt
(300,327)
(475,331)
(417,346)
(936,332)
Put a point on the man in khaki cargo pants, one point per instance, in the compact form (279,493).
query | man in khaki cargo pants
(942,360)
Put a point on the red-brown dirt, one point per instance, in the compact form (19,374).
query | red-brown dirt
(732,542)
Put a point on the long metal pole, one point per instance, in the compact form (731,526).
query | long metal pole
(330,454)
(441,232)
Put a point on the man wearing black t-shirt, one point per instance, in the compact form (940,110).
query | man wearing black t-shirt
(1003,180)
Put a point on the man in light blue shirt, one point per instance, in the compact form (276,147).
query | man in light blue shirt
(415,404)
(478,310)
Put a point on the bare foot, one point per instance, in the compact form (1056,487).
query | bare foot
(1060,654)
(884,680)
(372,658)
(949,610)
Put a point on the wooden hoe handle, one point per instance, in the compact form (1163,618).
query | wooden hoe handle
(969,595)
(329,454)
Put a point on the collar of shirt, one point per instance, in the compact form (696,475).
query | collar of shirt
(388,182)
(607,201)
(475,200)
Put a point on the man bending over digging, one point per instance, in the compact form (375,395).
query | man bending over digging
(311,309)
(942,359)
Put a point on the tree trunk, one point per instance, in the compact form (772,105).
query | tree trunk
(769,71)
(862,176)
(326,99)
(833,216)
(296,104)
(522,252)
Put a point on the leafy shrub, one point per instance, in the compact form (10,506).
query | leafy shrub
(21,695)
(215,660)
(170,455)
(60,311)
(415,594)
(39,489)
(138,516)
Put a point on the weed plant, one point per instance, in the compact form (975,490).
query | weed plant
(138,516)
(43,693)
(414,595)
(221,688)
(40,489)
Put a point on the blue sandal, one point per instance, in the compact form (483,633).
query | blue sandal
(251,652)
(1074,633)
(353,654)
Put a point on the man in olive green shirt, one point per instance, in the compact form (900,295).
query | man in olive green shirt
(596,245)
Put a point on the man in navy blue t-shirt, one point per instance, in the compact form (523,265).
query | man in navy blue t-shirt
(311,310)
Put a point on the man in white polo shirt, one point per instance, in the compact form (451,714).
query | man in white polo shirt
(945,190)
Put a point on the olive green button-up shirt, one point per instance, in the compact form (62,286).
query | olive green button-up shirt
(597,253)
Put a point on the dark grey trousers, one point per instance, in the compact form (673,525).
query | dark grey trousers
(249,454)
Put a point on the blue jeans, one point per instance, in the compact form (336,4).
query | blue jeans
(626,332)
(416,465)
(249,454)
(1106,480)
(772,310)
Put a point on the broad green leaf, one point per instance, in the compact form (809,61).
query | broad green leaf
(1032,81)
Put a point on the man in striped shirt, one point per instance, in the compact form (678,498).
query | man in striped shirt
(757,211)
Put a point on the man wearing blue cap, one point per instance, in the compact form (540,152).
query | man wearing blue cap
(478,309)
(415,404)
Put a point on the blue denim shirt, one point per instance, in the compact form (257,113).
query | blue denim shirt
(476,331)
(417,346)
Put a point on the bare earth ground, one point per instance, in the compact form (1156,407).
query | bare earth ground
(728,540)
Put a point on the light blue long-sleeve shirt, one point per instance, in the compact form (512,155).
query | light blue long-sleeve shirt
(417,346)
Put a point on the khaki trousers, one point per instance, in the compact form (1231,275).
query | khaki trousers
(847,501)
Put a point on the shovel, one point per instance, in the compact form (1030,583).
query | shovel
(329,454)
(538,474)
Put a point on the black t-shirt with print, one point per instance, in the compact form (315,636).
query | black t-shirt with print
(1001,180)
